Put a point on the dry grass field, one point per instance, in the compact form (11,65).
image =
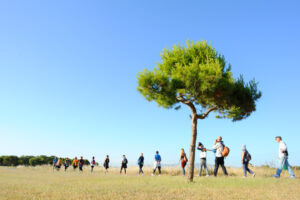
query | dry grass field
(44,183)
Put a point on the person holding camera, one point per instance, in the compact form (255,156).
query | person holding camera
(283,158)
(202,158)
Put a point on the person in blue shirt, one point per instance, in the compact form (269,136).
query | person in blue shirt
(157,163)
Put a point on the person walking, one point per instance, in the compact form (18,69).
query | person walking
(219,146)
(183,160)
(58,164)
(106,164)
(93,162)
(124,164)
(54,162)
(157,163)
(75,163)
(202,158)
(246,157)
(81,163)
(283,158)
(67,163)
(141,163)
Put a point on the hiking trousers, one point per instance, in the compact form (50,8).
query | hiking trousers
(219,161)
(203,165)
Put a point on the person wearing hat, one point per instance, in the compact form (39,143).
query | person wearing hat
(202,158)
(283,158)
(246,157)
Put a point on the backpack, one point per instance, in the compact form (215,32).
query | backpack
(248,156)
(225,151)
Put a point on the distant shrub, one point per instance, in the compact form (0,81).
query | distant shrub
(9,161)
(36,161)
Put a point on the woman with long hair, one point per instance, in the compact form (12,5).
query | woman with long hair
(183,160)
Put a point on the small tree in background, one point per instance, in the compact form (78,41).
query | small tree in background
(197,76)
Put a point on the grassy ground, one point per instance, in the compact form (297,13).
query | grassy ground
(43,183)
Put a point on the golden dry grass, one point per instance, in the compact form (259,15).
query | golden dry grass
(43,183)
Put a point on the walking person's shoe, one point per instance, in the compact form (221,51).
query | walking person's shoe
(152,175)
(253,175)
(207,175)
(293,177)
(276,176)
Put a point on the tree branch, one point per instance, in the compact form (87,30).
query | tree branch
(189,103)
(204,115)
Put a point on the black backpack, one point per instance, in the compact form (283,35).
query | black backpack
(248,156)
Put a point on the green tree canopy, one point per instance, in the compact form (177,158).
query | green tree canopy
(197,74)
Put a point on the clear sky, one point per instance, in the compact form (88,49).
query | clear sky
(68,76)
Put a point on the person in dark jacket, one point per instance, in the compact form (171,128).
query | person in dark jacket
(106,164)
(93,163)
(245,161)
(67,164)
(124,164)
(81,163)
(141,163)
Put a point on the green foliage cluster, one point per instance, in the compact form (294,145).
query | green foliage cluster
(200,75)
(31,160)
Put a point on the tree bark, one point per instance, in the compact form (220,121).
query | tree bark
(192,148)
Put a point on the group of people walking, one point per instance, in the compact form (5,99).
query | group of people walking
(221,151)
(80,163)
(140,162)
(219,148)
(76,163)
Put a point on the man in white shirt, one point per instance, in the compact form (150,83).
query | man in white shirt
(219,146)
(283,158)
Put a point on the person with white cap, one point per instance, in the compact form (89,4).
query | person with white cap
(283,158)
(246,157)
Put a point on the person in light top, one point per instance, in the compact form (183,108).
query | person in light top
(283,158)
(219,146)
(202,158)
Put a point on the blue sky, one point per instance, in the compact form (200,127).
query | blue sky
(68,76)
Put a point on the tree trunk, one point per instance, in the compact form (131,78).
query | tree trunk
(192,148)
